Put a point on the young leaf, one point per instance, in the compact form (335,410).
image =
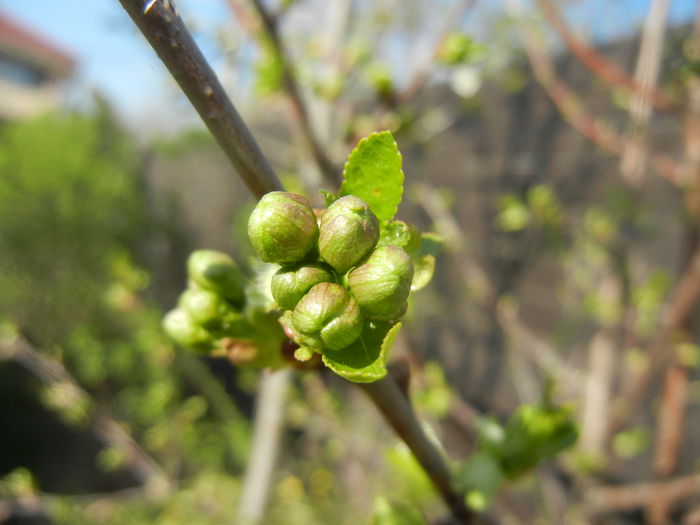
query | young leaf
(364,361)
(373,173)
(328,196)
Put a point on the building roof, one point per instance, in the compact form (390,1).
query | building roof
(19,40)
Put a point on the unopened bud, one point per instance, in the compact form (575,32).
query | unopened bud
(291,283)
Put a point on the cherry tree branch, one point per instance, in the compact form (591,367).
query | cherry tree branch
(170,39)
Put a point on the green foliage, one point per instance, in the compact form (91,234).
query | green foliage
(459,48)
(268,71)
(69,206)
(373,173)
(533,433)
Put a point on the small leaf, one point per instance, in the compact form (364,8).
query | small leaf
(328,196)
(423,269)
(364,361)
(373,173)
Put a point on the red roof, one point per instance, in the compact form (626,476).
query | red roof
(32,46)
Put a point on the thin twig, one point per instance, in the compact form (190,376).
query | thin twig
(270,24)
(604,68)
(396,409)
(167,34)
(679,307)
(572,108)
(630,497)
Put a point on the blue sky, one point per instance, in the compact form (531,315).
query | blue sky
(113,57)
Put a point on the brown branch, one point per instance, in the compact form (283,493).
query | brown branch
(167,34)
(270,24)
(52,373)
(630,497)
(572,108)
(599,64)
(678,310)
(396,409)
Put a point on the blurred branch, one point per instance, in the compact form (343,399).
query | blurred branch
(271,27)
(167,34)
(604,68)
(112,434)
(679,308)
(601,500)
(457,11)
(574,111)
(646,77)
(269,421)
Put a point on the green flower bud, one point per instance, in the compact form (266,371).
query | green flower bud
(291,283)
(212,311)
(182,329)
(327,317)
(217,272)
(349,231)
(283,228)
(381,285)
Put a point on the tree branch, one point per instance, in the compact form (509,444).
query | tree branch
(396,409)
(167,34)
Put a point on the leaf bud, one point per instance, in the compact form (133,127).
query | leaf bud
(348,231)
(291,283)
(327,317)
(283,228)
(381,285)
(216,271)
(182,329)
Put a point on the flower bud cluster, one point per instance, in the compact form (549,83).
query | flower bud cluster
(209,310)
(333,277)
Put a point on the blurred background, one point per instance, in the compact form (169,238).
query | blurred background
(553,144)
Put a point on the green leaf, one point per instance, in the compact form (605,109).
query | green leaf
(364,361)
(328,196)
(373,173)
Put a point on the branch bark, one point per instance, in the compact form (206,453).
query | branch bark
(396,409)
(167,34)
